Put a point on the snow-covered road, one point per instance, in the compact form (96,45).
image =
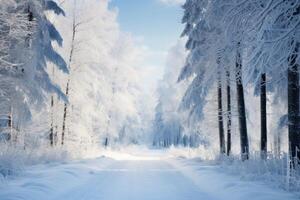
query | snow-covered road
(133,178)
(136,180)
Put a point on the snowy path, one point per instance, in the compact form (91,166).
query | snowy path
(132,179)
(136,180)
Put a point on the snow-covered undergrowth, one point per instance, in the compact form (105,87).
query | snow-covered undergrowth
(14,159)
(273,171)
(11,160)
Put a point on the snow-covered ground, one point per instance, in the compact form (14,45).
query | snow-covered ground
(143,175)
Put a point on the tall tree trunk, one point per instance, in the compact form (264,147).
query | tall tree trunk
(293,107)
(51,136)
(106,142)
(220,116)
(65,115)
(263,114)
(75,25)
(228,114)
(241,108)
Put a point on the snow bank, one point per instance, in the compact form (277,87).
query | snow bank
(273,171)
(14,159)
(214,179)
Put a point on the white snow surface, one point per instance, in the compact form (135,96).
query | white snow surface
(146,175)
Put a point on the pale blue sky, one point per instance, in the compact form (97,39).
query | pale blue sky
(156,24)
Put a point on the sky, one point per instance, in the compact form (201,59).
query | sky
(156,25)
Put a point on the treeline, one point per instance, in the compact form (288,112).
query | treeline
(25,48)
(256,41)
(236,45)
(66,71)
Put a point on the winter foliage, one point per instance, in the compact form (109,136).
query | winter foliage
(242,77)
(69,79)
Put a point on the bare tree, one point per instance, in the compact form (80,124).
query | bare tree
(75,26)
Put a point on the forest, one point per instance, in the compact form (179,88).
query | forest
(74,99)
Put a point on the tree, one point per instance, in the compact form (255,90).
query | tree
(220,113)
(94,47)
(75,26)
(50,33)
(25,46)
(169,127)
(241,106)
(293,106)
(206,42)
(276,49)
(293,96)
(263,110)
(229,123)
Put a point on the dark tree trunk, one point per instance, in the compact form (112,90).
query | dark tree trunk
(241,109)
(10,125)
(106,142)
(65,116)
(263,113)
(30,14)
(293,107)
(56,135)
(51,136)
(228,114)
(220,117)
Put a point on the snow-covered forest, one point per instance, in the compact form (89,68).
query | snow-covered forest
(74,88)
(66,76)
